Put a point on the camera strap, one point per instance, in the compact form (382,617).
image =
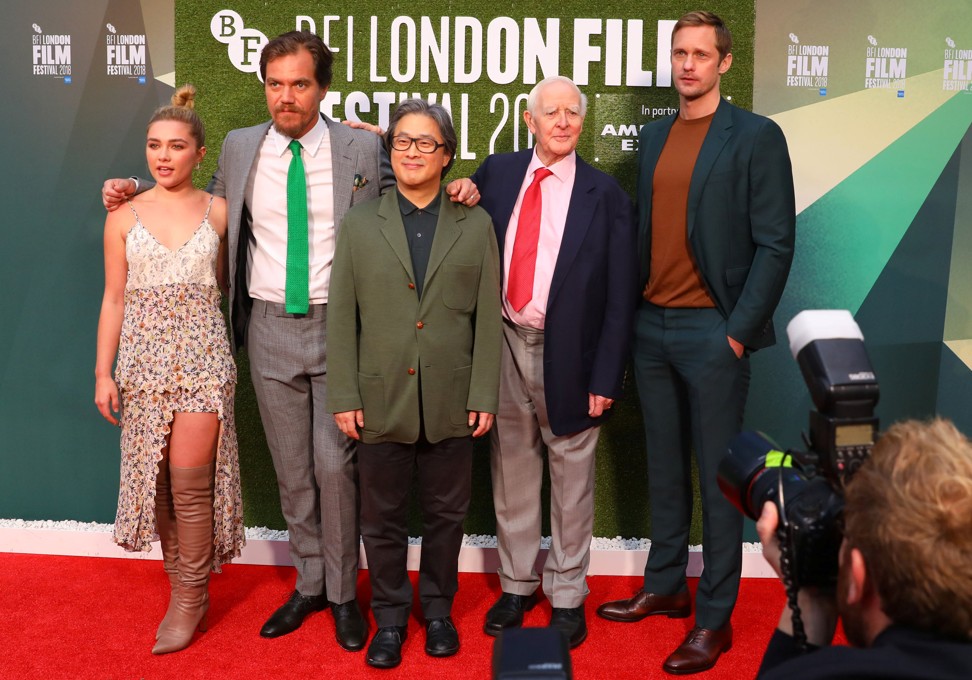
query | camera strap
(786,540)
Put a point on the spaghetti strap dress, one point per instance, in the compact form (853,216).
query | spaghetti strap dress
(174,356)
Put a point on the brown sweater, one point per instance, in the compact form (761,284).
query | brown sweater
(674,279)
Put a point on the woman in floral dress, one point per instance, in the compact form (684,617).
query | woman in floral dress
(174,379)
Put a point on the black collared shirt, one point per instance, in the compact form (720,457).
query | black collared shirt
(419,231)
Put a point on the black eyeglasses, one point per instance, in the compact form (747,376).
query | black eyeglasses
(423,144)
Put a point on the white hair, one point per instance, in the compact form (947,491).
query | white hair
(535,93)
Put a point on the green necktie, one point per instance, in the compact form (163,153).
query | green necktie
(298,276)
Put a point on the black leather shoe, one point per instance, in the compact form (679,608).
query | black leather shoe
(288,618)
(385,650)
(508,612)
(570,622)
(352,630)
(441,637)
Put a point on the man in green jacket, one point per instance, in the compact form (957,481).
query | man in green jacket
(413,372)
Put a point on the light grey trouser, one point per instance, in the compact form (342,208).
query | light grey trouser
(521,430)
(314,461)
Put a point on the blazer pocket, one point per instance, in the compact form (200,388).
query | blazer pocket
(372,391)
(460,395)
(736,276)
(460,284)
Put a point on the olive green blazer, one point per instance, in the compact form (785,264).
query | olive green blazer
(385,345)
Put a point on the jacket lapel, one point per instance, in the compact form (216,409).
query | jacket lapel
(342,168)
(508,191)
(238,168)
(653,141)
(393,230)
(579,218)
(649,156)
(720,130)
(246,157)
(447,232)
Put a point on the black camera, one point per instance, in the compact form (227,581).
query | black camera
(807,486)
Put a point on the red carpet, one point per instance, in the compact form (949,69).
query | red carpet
(71,617)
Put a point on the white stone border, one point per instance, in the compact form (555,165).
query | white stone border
(609,557)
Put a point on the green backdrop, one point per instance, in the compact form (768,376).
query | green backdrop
(484,115)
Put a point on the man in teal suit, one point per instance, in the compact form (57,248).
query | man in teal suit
(716,232)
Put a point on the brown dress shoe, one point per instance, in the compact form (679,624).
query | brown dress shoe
(700,651)
(643,604)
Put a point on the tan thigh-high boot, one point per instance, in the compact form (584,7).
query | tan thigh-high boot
(192,493)
(165,523)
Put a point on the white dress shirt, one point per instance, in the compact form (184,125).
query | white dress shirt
(555,194)
(266,199)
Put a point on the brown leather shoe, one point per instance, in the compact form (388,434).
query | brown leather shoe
(700,651)
(643,604)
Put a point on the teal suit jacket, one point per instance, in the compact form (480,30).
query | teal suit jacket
(407,360)
(741,216)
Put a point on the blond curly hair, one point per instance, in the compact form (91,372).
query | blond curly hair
(909,512)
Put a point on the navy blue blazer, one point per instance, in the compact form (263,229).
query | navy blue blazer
(741,216)
(593,294)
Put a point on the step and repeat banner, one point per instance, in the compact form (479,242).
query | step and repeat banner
(875,99)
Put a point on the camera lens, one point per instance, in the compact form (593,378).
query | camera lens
(753,471)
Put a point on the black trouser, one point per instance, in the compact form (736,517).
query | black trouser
(444,478)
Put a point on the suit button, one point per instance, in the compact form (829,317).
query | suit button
(411,371)
(412,286)
(420,325)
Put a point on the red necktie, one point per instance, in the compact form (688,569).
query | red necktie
(523,264)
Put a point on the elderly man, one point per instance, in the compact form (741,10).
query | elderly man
(288,183)
(567,244)
(415,347)
(904,589)
(716,223)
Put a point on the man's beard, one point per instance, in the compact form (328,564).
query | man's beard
(293,130)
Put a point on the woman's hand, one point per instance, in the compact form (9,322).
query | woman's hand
(107,399)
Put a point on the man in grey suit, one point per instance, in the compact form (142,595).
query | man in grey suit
(314,461)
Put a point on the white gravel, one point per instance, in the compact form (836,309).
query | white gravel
(265,534)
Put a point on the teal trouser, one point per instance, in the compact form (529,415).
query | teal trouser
(693,393)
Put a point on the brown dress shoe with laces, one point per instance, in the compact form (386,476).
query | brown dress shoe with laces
(643,604)
(700,651)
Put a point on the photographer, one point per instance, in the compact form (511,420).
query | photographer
(904,586)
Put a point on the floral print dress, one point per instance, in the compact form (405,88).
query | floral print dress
(174,356)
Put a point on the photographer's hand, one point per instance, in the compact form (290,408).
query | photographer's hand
(766,527)
(818,606)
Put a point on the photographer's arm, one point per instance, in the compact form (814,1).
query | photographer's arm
(818,607)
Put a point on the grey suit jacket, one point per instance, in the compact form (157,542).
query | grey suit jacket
(353,153)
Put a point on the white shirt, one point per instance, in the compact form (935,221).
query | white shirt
(266,199)
(555,194)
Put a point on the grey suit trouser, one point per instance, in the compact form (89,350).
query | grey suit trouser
(314,461)
(693,392)
(521,430)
